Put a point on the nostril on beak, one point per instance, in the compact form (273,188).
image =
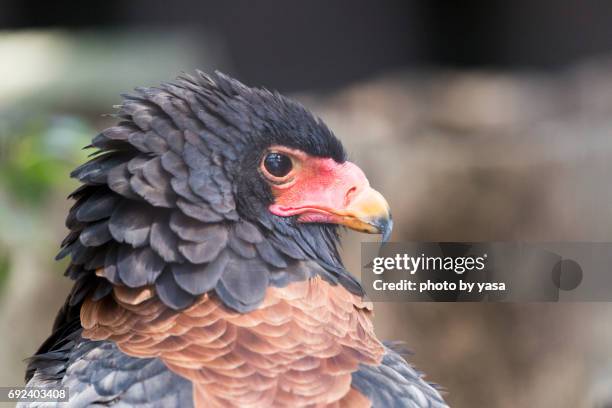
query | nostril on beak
(349,195)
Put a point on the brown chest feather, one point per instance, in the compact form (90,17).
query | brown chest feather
(298,348)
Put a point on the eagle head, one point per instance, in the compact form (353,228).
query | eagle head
(205,184)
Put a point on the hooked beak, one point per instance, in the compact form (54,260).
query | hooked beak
(340,195)
(367,212)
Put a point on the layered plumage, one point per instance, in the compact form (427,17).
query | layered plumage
(187,279)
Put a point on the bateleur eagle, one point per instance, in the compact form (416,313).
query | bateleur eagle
(203,245)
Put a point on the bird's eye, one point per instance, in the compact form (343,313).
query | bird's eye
(277,164)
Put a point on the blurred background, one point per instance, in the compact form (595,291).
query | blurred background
(477,120)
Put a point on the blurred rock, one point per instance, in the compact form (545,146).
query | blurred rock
(87,70)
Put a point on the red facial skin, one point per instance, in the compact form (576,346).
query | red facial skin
(323,191)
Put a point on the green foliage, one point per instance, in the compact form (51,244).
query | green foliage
(37,153)
(4,267)
(37,158)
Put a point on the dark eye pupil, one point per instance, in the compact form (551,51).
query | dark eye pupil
(278,164)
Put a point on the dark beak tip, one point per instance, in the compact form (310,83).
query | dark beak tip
(387,231)
(385,225)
